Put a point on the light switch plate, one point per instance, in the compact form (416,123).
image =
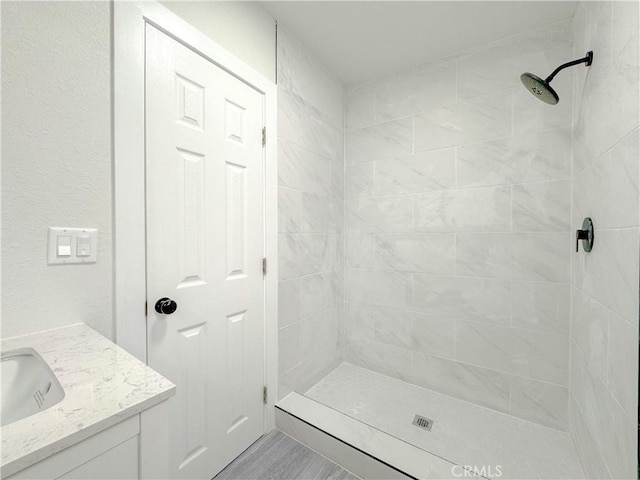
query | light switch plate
(58,235)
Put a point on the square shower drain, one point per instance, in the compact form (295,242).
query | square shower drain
(422,422)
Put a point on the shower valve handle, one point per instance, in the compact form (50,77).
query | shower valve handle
(586,235)
(581,235)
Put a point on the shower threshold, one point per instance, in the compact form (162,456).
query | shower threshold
(375,414)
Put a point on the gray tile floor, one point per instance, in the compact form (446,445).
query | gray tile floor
(279,457)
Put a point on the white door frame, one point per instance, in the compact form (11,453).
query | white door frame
(129,24)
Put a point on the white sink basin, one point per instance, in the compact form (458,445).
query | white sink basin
(28,385)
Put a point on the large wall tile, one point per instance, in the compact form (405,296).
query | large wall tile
(337,179)
(498,65)
(492,68)
(609,273)
(531,115)
(390,289)
(622,363)
(619,439)
(318,135)
(319,292)
(413,91)
(613,431)
(480,299)
(360,324)
(289,210)
(411,330)
(379,357)
(540,402)
(380,141)
(538,355)
(589,331)
(360,251)
(591,459)
(478,385)
(609,90)
(288,117)
(289,305)
(416,173)
(528,157)
(302,74)
(392,327)
(519,256)
(541,306)
(317,367)
(318,332)
(433,335)
(321,214)
(359,180)
(608,190)
(583,388)
(306,254)
(411,252)
(303,170)
(542,206)
(466,121)
(289,354)
(360,110)
(372,215)
(472,209)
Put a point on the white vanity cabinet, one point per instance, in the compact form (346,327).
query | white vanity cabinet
(121,452)
(111,454)
(111,424)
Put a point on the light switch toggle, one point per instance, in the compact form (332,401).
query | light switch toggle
(83,246)
(64,246)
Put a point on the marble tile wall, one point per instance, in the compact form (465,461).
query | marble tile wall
(606,178)
(458,227)
(311,217)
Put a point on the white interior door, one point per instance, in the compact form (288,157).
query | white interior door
(204,165)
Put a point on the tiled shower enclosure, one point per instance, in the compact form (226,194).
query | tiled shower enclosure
(427,229)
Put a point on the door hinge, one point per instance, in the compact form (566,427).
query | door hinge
(264,395)
(146,308)
(264,266)
(264,136)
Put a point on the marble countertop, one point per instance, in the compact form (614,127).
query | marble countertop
(103,385)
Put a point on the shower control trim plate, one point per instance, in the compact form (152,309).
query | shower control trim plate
(586,235)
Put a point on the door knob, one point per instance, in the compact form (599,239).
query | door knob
(166,306)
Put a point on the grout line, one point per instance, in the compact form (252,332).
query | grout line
(449,275)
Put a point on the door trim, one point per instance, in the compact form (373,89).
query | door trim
(129,23)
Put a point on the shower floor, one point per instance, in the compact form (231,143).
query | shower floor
(463,433)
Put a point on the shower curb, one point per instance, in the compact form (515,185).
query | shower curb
(350,458)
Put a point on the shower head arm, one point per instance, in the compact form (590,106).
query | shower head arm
(586,60)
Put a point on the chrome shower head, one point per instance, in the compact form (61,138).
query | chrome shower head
(542,89)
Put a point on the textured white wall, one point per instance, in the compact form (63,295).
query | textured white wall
(606,186)
(56,161)
(243,28)
(311,217)
(56,147)
(458,218)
